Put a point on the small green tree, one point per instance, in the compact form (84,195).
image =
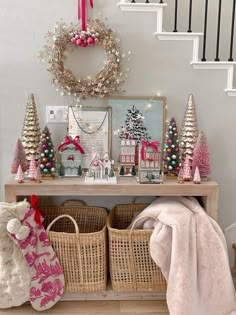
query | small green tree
(122,170)
(111,173)
(80,171)
(62,170)
(133,171)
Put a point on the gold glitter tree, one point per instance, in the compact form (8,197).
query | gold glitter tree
(30,135)
(189,130)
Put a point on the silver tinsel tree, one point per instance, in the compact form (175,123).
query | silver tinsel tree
(31,132)
(189,130)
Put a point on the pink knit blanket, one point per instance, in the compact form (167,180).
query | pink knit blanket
(190,248)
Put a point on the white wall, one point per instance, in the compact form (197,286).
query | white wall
(156,67)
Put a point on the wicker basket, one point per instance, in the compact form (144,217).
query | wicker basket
(131,266)
(79,237)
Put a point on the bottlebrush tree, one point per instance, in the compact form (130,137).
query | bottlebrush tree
(20,175)
(19,158)
(187,169)
(201,157)
(32,167)
(47,154)
(171,158)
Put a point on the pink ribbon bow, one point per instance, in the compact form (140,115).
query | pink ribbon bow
(68,140)
(82,12)
(145,144)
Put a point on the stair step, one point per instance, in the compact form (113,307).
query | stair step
(178,35)
(141,7)
(217,65)
(231,92)
(184,36)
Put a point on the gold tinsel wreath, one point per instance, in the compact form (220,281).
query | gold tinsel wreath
(104,83)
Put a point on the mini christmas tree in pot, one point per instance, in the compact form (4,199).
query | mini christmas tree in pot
(47,161)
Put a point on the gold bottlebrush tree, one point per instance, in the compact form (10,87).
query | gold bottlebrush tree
(31,131)
(189,130)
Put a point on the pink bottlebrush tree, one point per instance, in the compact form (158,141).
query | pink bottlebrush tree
(187,169)
(20,175)
(196,176)
(19,158)
(201,157)
(32,168)
(38,175)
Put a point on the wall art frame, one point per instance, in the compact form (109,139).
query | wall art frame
(153,110)
(93,125)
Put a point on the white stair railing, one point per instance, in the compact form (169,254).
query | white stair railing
(183,36)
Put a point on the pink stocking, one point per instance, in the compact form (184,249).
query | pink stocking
(47,278)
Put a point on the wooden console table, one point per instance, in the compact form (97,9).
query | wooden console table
(127,186)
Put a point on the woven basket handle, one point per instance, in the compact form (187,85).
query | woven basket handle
(134,199)
(143,217)
(74,202)
(132,260)
(64,216)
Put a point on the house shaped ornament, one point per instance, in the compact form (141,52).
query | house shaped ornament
(128,156)
(99,170)
(107,163)
(71,152)
(149,163)
(97,167)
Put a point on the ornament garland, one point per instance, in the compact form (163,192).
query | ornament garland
(82,128)
(63,39)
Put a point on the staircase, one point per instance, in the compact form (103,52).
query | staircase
(183,36)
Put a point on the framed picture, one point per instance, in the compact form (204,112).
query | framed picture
(136,118)
(93,126)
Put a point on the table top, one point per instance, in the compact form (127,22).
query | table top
(126,186)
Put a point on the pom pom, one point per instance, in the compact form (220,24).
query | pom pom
(23,233)
(22,208)
(13,226)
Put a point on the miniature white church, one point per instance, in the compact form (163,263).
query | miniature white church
(100,170)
